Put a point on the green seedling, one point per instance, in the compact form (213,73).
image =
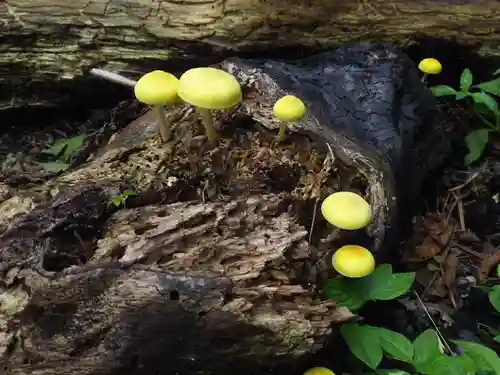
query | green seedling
(483,98)
(118,201)
(62,152)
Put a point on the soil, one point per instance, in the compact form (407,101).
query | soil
(454,242)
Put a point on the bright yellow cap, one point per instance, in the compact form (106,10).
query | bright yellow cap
(346,210)
(353,261)
(319,371)
(289,108)
(430,66)
(156,88)
(209,88)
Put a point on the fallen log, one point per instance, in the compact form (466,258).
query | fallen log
(46,47)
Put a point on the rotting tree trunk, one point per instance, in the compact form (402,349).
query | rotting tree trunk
(178,288)
(55,42)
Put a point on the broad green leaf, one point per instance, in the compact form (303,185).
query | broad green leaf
(426,347)
(364,343)
(468,364)
(344,292)
(54,166)
(396,345)
(395,286)
(492,87)
(441,365)
(476,142)
(461,95)
(443,90)
(494,296)
(481,355)
(466,80)
(486,99)
(497,338)
(392,372)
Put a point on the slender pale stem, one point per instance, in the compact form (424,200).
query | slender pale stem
(424,77)
(164,125)
(113,77)
(208,123)
(281,134)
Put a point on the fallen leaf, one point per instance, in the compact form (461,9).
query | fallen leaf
(436,235)
(487,264)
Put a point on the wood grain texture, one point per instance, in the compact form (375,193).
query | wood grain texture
(56,40)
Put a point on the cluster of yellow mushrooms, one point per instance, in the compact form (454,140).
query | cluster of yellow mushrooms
(206,89)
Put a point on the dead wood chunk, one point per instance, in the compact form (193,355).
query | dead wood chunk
(46,46)
(185,288)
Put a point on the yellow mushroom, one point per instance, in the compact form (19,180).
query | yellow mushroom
(288,109)
(428,66)
(346,210)
(353,261)
(209,89)
(158,88)
(319,371)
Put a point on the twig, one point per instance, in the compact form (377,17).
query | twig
(441,337)
(113,77)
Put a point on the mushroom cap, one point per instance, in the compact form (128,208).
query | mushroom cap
(430,65)
(209,88)
(319,371)
(346,210)
(353,261)
(156,88)
(289,108)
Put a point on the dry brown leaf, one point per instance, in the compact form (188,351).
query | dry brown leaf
(487,263)
(436,235)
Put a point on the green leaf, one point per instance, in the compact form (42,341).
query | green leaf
(497,338)
(385,286)
(494,296)
(426,347)
(481,355)
(441,365)
(443,90)
(396,345)
(392,372)
(496,72)
(461,95)
(54,166)
(466,80)
(364,343)
(345,293)
(476,142)
(66,148)
(486,99)
(468,364)
(492,87)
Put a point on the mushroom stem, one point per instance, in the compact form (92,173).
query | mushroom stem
(208,123)
(164,125)
(424,77)
(281,134)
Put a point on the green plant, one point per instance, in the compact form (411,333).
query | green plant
(494,297)
(62,153)
(381,285)
(425,355)
(118,201)
(483,102)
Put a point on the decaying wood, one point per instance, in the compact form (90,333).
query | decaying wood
(189,287)
(56,42)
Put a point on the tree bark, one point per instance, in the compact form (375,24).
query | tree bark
(56,42)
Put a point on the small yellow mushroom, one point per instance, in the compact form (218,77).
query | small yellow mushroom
(319,371)
(353,261)
(346,210)
(428,66)
(288,109)
(158,88)
(209,89)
